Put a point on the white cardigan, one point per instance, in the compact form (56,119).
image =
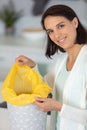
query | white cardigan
(75,106)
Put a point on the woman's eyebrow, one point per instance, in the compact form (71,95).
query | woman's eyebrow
(48,30)
(55,26)
(60,23)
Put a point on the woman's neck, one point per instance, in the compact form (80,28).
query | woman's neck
(72,55)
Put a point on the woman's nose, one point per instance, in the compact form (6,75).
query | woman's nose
(56,34)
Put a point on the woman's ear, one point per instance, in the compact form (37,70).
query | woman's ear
(75,22)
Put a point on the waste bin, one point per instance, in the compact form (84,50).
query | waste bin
(27,117)
(19,90)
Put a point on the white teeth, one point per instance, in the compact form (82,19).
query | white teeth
(62,40)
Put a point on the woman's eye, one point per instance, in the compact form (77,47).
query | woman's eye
(49,32)
(60,26)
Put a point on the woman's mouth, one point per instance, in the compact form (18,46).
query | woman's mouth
(61,41)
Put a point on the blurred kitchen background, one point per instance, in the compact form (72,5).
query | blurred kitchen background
(24,35)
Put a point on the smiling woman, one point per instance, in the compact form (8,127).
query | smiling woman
(68,78)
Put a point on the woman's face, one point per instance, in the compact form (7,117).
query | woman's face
(61,30)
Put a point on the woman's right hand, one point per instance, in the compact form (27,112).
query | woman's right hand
(23,60)
(48,104)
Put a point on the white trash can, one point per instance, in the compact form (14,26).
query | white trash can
(28,117)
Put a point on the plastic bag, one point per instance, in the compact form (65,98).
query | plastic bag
(22,85)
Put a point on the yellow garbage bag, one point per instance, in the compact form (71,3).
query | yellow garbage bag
(22,85)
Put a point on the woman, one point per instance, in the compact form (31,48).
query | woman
(69,77)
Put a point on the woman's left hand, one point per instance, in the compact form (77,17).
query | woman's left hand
(48,104)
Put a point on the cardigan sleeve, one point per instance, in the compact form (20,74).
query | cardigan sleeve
(75,114)
(78,115)
(49,78)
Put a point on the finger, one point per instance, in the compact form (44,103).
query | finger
(39,104)
(40,99)
(19,57)
(21,63)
